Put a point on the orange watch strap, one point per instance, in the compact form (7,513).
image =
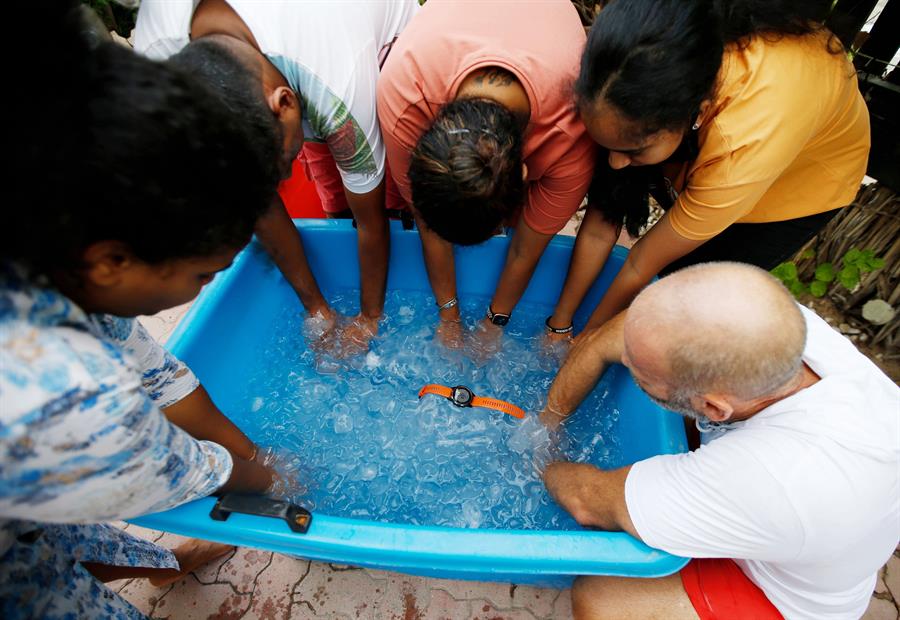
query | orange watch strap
(498,405)
(434,388)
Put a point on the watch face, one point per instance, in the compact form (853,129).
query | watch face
(461,396)
(500,319)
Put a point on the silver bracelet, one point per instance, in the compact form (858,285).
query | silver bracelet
(445,306)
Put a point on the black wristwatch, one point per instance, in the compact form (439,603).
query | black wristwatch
(497,318)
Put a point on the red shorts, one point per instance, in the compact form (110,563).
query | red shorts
(719,590)
(319,166)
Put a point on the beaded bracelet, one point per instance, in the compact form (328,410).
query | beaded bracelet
(558,330)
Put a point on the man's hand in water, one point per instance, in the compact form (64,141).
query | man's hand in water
(552,418)
(594,497)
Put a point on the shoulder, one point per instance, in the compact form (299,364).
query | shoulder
(772,80)
(50,368)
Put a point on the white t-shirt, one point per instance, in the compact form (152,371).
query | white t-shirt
(330,54)
(805,495)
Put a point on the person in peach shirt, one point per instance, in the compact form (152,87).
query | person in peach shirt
(481,131)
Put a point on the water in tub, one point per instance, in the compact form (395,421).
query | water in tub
(361,444)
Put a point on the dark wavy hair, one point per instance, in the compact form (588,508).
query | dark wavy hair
(656,61)
(135,151)
(466,171)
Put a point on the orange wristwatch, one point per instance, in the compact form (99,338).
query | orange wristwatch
(461,396)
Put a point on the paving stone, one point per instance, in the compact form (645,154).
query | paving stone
(538,600)
(142,595)
(326,593)
(191,600)
(562,608)
(242,568)
(272,596)
(404,596)
(209,573)
(497,594)
(155,326)
(880,586)
(442,606)
(484,610)
(880,610)
(892,577)
(161,325)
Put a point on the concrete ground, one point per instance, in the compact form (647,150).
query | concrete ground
(251,583)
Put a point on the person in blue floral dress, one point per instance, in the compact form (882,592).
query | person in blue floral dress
(140,189)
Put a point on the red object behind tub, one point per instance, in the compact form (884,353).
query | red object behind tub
(299,194)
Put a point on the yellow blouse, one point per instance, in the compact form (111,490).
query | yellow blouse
(787,136)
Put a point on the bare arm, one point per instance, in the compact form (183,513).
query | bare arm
(659,247)
(525,251)
(198,415)
(248,477)
(594,497)
(373,245)
(281,240)
(441,267)
(595,240)
(584,366)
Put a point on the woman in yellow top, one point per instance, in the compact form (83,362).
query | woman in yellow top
(744,117)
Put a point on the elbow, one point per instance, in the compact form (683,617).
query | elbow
(583,515)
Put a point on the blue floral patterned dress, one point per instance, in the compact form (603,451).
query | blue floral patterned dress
(83,441)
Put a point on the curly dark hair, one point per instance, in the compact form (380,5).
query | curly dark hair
(466,170)
(136,151)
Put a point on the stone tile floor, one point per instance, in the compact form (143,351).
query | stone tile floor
(258,584)
(251,583)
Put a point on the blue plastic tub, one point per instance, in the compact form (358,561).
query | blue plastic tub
(230,316)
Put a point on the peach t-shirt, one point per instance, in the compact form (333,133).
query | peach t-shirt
(538,42)
(787,136)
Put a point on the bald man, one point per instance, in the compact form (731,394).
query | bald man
(792,502)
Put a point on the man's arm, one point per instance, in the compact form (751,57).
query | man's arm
(584,366)
(281,240)
(594,497)
(373,246)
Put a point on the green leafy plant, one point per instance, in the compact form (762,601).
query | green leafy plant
(854,264)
